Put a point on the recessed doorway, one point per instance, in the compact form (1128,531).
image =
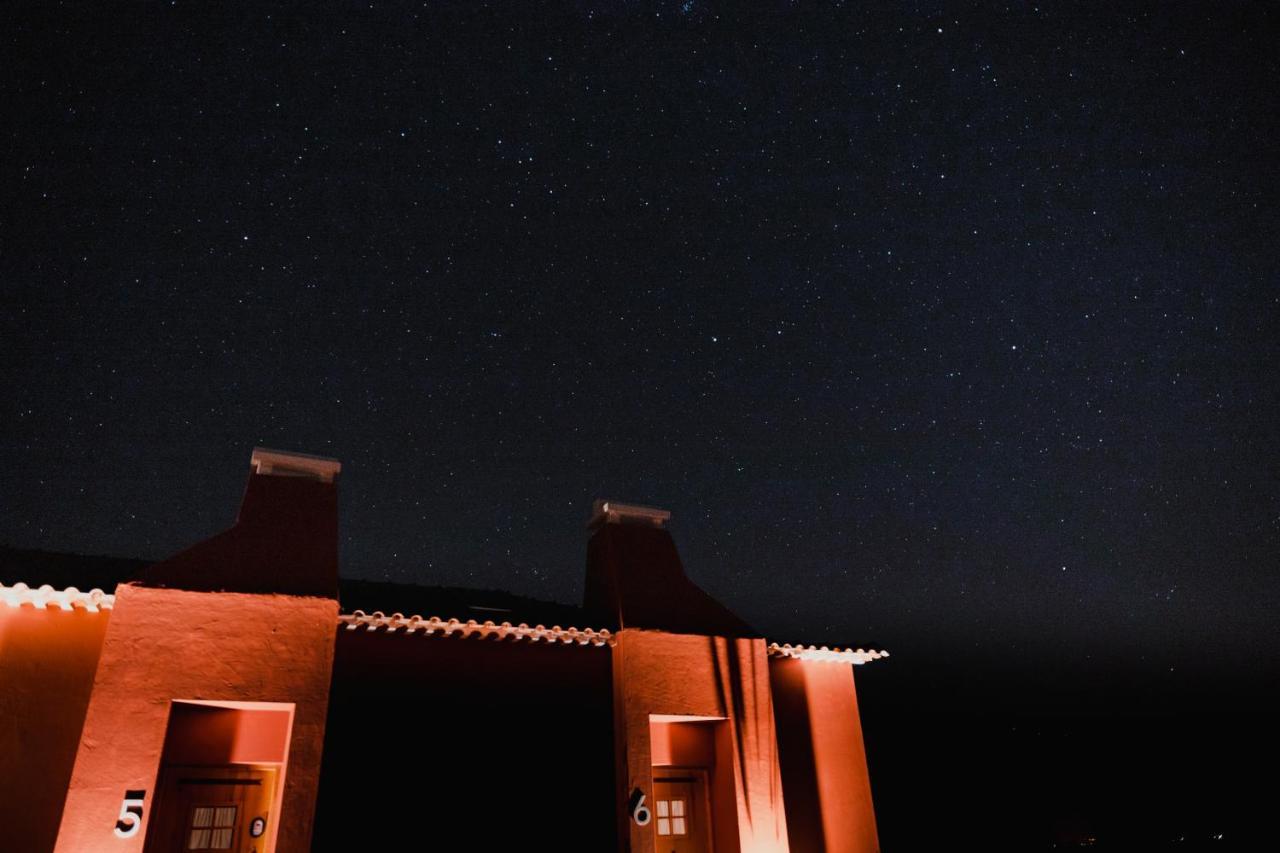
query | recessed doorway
(221,777)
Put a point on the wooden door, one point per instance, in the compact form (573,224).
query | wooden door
(681,812)
(213,808)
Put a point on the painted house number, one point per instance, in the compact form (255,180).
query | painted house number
(639,811)
(130,814)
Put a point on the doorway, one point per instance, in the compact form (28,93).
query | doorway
(213,808)
(221,777)
(681,810)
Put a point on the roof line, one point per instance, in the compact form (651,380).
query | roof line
(555,634)
(472,628)
(823,653)
(95,600)
(65,599)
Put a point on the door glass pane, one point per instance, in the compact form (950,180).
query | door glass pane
(664,826)
(677,826)
(212,827)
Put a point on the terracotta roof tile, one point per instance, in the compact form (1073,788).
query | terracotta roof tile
(66,599)
(823,653)
(434,625)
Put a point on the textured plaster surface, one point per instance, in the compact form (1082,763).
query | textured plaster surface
(824,763)
(167,644)
(47,660)
(660,673)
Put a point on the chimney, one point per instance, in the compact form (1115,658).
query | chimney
(635,578)
(285,463)
(612,512)
(284,540)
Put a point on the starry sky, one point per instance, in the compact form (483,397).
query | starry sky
(945,327)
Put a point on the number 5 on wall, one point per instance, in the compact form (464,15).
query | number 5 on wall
(130,814)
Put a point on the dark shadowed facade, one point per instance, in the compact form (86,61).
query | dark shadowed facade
(237,696)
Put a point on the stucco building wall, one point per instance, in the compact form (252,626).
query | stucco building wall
(657,673)
(167,644)
(47,661)
(824,762)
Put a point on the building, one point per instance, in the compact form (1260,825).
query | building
(237,696)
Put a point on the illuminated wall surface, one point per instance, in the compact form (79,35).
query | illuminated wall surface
(222,700)
(48,657)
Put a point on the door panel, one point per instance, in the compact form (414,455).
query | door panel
(681,813)
(213,809)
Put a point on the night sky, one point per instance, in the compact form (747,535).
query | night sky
(951,328)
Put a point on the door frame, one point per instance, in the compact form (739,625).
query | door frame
(701,776)
(170,776)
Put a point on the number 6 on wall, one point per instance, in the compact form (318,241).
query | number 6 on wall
(130,814)
(639,811)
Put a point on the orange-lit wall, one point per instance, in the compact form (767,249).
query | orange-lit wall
(824,765)
(47,661)
(213,735)
(166,644)
(680,674)
(685,744)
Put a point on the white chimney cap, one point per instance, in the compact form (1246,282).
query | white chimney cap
(286,463)
(612,512)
